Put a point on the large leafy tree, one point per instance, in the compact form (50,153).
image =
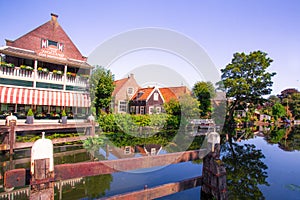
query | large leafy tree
(102,86)
(246,80)
(204,92)
(278,110)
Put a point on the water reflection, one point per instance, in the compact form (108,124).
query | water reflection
(245,169)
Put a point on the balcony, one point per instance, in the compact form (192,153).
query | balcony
(43,75)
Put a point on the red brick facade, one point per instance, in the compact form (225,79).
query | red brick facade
(51,30)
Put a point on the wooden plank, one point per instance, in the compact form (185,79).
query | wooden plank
(23,145)
(159,191)
(36,127)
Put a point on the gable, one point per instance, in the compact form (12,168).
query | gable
(49,34)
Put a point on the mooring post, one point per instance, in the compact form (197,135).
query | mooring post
(12,135)
(213,171)
(93,128)
(42,170)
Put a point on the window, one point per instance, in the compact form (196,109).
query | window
(158,110)
(122,106)
(127,150)
(155,97)
(130,91)
(132,109)
(142,110)
(151,109)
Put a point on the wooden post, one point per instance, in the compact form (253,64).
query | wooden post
(92,132)
(12,135)
(214,176)
(42,170)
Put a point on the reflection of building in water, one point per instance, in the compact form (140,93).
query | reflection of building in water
(149,149)
(24,192)
(45,71)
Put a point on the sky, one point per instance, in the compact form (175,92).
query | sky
(220,27)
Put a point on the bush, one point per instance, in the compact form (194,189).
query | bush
(30,113)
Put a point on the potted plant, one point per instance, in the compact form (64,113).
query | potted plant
(64,117)
(29,117)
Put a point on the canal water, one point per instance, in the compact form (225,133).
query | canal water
(261,163)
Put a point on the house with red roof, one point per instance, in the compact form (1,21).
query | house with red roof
(43,70)
(150,100)
(124,90)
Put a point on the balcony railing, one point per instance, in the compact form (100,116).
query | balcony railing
(48,77)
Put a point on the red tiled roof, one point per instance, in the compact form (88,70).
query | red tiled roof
(167,94)
(118,85)
(180,90)
(142,94)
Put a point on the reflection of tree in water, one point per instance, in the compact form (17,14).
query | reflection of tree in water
(288,138)
(245,170)
(91,188)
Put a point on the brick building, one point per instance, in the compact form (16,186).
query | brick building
(45,71)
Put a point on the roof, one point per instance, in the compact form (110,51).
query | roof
(142,94)
(180,90)
(118,85)
(50,31)
(167,94)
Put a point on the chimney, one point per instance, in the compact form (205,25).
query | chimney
(54,17)
(131,76)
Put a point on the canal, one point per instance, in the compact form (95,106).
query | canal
(261,163)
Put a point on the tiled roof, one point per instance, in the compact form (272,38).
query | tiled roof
(118,85)
(180,90)
(167,94)
(142,94)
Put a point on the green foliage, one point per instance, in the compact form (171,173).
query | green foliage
(93,143)
(204,92)
(101,88)
(30,113)
(294,105)
(189,107)
(63,113)
(127,123)
(246,79)
(278,111)
(173,107)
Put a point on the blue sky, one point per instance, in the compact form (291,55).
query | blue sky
(220,27)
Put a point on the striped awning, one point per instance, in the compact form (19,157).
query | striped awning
(13,95)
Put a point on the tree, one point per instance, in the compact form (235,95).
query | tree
(294,105)
(102,86)
(204,92)
(278,110)
(246,80)
(189,107)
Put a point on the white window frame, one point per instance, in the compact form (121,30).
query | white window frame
(130,91)
(151,109)
(142,110)
(158,110)
(121,105)
(155,96)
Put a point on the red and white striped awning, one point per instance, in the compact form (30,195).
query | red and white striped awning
(27,96)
